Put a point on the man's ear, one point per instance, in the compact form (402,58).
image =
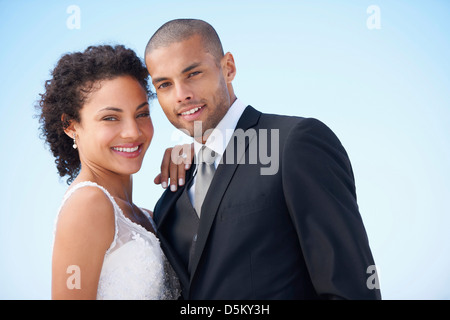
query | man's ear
(228,67)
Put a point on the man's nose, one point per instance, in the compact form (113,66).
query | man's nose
(183,93)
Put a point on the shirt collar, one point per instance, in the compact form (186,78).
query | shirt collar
(222,133)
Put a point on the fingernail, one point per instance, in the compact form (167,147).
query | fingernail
(164,184)
(187,166)
(173,187)
(181,181)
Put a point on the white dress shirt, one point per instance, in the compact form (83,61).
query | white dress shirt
(219,137)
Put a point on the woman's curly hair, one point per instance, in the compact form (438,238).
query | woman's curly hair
(72,80)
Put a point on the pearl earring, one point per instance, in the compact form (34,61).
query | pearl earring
(74,142)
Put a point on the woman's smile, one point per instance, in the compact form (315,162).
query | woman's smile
(128,150)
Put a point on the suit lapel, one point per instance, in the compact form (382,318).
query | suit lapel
(221,180)
(169,199)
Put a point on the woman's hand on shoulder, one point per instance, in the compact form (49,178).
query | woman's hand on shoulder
(176,161)
(84,232)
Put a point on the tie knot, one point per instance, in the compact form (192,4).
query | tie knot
(206,155)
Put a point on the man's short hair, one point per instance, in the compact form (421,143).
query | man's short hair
(182,29)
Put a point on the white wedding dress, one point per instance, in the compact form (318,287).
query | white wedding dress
(134,267)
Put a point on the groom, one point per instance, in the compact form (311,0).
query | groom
(269,211)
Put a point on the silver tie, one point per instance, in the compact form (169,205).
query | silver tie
(205,173)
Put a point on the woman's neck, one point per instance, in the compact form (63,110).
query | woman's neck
(119,186)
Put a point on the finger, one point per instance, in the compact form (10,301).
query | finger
(157,179)
(192,154)
(165,167)
(188,155)
(181,174)
(173,172)
(176,154)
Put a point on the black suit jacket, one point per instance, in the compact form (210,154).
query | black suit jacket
(293,234)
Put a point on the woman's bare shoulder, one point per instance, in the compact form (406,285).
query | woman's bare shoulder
(87,212)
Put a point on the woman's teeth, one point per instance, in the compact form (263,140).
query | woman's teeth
(191,111)
(126,149)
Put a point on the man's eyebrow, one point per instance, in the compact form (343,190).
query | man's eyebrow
(156,80)
(192,66)
(187,69)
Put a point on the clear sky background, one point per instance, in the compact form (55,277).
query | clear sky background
(379,78)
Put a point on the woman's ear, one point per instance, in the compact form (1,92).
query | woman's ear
(229,67)
(68,125)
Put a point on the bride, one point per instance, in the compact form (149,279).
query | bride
(95,118)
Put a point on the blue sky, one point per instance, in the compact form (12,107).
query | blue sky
(384,92)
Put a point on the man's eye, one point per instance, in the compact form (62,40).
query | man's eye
(163,85)
(193,73)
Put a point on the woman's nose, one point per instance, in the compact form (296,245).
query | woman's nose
(131,129)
